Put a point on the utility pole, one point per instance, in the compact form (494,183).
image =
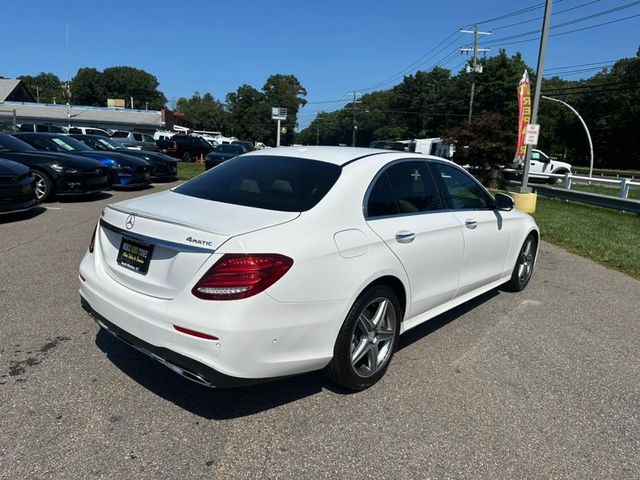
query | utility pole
(355,123)
(317,134)
(475,68)
(546,23)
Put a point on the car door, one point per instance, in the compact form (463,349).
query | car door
(404,209)
(487,237)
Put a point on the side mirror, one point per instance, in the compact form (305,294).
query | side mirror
(504,202)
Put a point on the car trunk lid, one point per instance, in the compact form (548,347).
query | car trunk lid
(180,233)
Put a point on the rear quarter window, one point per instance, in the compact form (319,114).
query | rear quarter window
(286,184)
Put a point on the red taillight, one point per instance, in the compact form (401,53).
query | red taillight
(237,276)
(93,239)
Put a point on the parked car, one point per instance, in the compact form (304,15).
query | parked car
(185,147)
(125,170)
(388,145)
(17,187)
(163,166)
(222,153)
(137,140)
(56,173)
(248,146)
(290,260)
(88,131)
(39,127)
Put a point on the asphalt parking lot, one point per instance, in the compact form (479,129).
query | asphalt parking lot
(541,384)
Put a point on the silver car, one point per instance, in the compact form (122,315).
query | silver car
(134,140)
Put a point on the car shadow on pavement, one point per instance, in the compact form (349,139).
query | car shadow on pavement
(22,216)
(94,197)
(240,402)
(202,401)
(430,326)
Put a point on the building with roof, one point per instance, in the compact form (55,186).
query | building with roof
(18,106)
(14,91)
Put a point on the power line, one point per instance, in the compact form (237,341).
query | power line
(559,12)
(513,14)
(573,72)
(570,31)
(567,23)
(420,61)
(582,64)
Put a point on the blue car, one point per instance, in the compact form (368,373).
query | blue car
(125,170)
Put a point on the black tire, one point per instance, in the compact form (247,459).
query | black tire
(554,180)
(524,264)
(186,157)
(44,186)
(341,369)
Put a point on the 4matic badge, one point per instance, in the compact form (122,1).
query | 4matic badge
(197,241)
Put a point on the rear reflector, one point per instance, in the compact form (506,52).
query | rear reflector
(237,276)
(194,333)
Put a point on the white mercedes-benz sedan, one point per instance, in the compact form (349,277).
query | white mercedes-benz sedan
(291,260)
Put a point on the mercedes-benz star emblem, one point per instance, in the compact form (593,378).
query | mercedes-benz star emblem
(131,220)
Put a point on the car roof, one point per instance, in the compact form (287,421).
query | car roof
(339,155)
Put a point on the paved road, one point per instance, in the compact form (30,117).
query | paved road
(543,384)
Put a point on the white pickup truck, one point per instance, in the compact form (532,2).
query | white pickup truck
(542,164)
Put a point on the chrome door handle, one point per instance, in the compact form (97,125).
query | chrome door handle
(471,224)
(405,236)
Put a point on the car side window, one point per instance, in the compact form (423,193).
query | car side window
(405,187)
(137,137)
(413,187)
(460,189)
(382,201)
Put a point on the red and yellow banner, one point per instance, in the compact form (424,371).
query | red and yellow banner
(524,115)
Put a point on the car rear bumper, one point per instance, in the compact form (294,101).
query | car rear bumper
(258,338)
(182,365)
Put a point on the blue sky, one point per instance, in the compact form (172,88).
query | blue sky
(332,46)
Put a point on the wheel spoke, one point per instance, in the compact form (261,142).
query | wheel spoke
(380,314)
(385,335)
(372,357)
(360,351)
(365,324)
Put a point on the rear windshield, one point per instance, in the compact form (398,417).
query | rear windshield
(286,184)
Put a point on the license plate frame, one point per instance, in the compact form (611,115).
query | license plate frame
(135,255)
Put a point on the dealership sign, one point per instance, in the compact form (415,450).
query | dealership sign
(278,113)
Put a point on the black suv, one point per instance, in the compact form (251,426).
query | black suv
(185,147)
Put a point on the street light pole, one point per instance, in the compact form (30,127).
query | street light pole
(546,23)
(585,129)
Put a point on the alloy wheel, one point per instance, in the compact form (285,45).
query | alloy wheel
(41,186)
(373,336)
(526,261)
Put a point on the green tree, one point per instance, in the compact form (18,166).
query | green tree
(285,91)
(486,142)
(46,86)
(87,88)
(92,87)
(206,112)
(249,114)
